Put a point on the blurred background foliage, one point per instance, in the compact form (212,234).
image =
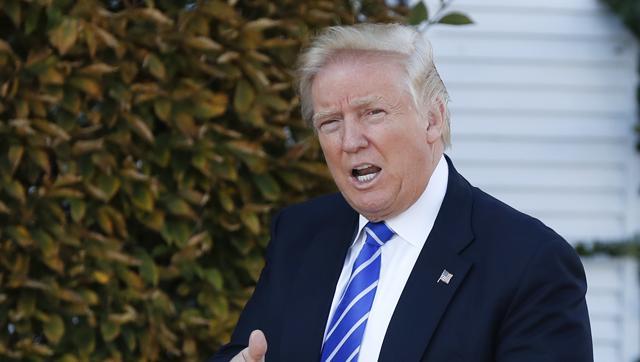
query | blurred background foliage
(143,148)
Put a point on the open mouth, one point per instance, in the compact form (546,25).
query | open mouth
(365,173)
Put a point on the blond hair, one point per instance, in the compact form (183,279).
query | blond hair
(423,81)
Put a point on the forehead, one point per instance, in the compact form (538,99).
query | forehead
(359,77)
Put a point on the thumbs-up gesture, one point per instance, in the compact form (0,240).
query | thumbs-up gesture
(256,350)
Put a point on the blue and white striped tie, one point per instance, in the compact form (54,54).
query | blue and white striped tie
(344,335)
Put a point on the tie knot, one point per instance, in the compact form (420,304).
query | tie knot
(378,233)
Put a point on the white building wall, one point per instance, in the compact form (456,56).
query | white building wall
(543,109)
(613,308)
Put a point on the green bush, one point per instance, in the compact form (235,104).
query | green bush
(143,145)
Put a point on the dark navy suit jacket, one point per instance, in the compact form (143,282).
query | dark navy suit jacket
(517,293)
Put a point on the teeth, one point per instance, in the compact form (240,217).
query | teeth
(367,178)
(366,165)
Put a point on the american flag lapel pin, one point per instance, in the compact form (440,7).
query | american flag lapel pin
(445,277)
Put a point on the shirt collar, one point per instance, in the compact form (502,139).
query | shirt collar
(415,223)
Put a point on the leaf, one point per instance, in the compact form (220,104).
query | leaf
(186,124)
(16,190)
(6,48)
(155,66)
(88,85)
(254,116)
(226,200)
(261,24)
(104,221)
(246,147)
(65,192)
(418,13)
(54,328)
(71,101)
(243,97)
(82,147)
(142,198)
(109,184)
(455,18)
(101,277)
(148,269)
(97,69)
(26,304)
(250,220)
(22,110)
(12,9)
(268,186)
(154,15)
(154,220)
(68,357)
(202,43)
(132,279)
(64,36)
(51,76)
(48,247)
(219,306)
(219,9)
(177,206)
(140,127)
(110,40)
(84,339)
(210,106)
(119,222)
(274,102)
(214,277)
(162,108)
(314,168)
(78,209)
(109,330)
(15,155)
(31,19)
(177,232)
(40,158)
(4,209)
(51,129)
(89,296)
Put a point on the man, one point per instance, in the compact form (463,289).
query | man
(409,262)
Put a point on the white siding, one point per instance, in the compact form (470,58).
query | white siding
(543,108)
(613,308)
(543,111)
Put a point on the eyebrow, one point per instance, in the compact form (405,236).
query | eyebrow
(323,115)
(365,101)
(358,102)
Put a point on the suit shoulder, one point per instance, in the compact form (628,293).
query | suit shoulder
(503,223)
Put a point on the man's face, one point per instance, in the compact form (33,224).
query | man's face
(381,152)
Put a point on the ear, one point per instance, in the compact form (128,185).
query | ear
(436,118)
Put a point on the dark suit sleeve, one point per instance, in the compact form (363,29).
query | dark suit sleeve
(547,319)
(259,312)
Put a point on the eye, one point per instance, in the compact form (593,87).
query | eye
(375,112)
(328,125)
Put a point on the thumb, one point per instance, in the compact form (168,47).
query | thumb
(257,346)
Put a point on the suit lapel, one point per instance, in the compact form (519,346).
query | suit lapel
(424,300)
(313,290)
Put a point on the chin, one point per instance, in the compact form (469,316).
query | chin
(373,211)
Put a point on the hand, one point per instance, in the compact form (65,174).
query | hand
(256,350)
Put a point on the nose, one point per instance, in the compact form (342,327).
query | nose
(354,138)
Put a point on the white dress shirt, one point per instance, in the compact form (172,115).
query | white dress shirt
(399,255)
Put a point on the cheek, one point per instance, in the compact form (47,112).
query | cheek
(331,152)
